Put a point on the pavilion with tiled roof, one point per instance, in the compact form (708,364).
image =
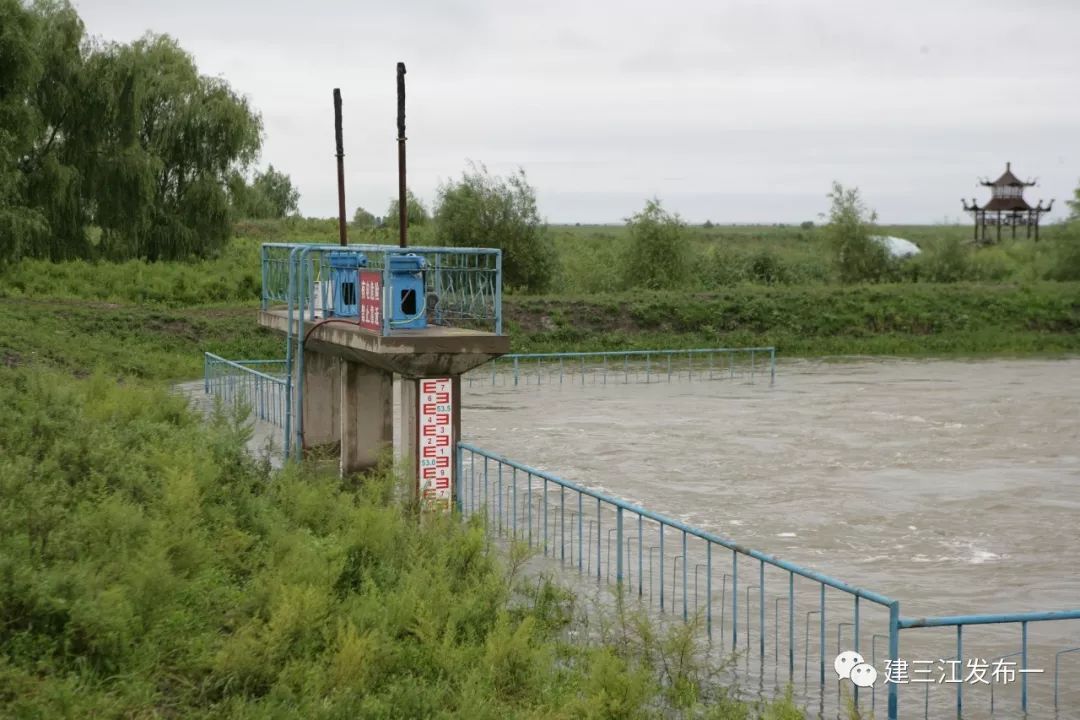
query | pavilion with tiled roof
(1007,207)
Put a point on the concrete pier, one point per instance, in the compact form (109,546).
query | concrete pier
(347,381)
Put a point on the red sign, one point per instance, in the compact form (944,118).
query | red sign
(371,300)
(436,438)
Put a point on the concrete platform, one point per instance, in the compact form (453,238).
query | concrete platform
(434,351)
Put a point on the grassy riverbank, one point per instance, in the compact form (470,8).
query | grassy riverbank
(165,341)
(152,569)
(757,285)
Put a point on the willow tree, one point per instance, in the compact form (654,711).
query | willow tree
(21,127)
(126,137)
(171,140)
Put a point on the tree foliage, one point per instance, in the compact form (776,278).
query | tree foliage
(416,213)
(483,210)
(127,138)
(363,220)
(658,255)
(270,195)
(1074,204)
(859,258)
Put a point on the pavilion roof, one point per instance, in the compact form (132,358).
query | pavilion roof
(1007,179)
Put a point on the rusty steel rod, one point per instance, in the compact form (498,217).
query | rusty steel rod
(342,232)
(403,215)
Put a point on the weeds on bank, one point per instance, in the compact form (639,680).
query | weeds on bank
(150,567)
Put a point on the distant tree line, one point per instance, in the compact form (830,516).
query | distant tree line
(118,150)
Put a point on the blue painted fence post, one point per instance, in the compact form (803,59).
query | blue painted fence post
(894,655)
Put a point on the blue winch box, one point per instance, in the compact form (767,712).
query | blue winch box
(345,275)
(407,300)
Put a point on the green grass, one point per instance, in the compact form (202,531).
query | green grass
(126,340)
(919,320)
(724,256)
(758,285)
(151,568)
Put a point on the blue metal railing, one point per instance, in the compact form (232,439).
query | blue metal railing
(608,539)
(572,524)
(465,283)
(628,366)
(263,386)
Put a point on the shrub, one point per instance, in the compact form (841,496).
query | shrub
(859,258)
(657,256)
(482,210)
(946,262)
(1066,253)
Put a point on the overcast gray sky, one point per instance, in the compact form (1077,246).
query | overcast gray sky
(729,111)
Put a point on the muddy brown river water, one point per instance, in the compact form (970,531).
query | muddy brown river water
(951,486)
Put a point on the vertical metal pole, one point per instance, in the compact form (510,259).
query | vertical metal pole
(761,609)
(855,632)
(580,527)
(734,600)
(821,649)
(619,546)
(640,562)
(960,658)
(403,214)
(772,366)
(513,502)
(708,588)
(500,499)
(458,453)
(894,656)
(515,372)
(545,534)
(791,626)
(342,225)
(597,538)
(498,295)
(661,567)
(1023,664)
(685,565)
(562,523)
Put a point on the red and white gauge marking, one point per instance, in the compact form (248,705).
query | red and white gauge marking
(436,412)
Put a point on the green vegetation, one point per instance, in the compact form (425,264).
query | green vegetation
(920,320)
(763,286)
(485,211)
(416,213)
(269,195)
(119,151)
(363,220)
(656,256)
(151,568)
(859,258)
(593,259)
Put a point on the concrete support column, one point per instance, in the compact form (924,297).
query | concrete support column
(321,400)
(366,415)
(409,425)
